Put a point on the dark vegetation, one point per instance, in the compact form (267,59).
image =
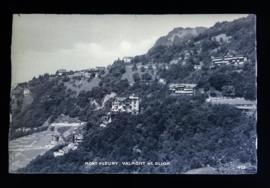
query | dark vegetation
(185,131)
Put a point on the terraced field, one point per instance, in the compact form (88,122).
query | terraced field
(24,149)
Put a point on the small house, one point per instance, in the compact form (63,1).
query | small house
(26,91)
(60,72)
(100,68)
(78,138)
(198,66)
(162,81)
(127,59)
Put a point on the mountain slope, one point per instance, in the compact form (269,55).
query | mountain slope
(185,131)
(178,36)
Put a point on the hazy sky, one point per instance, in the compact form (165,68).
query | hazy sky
(43,43)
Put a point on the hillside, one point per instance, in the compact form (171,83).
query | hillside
(178,36)
(185,130)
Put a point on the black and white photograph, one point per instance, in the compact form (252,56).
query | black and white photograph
(133,94)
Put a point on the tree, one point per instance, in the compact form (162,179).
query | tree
(66,79)
(250,91)
(228,91)
(146,77)
(122,85)
(136,77)
(134,67)
(218,80)
(142,69)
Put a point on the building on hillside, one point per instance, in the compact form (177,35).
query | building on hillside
(123,104)
(58,153)
(237,61)
(187,55)
(65,150)
(106,120)
(175,61)
(182,89)
(222,38)
(92,70)
(154,67)
(77,138)
(100,68)
(127,59)
(118,104)
(26,92)
(61,71)
(198,66)
(86,74)
(162,81)
(240,103)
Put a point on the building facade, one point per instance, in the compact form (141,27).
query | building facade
(100,68)
(198,66)
(123,104)
(61,71)
(182,89)
(237,61)
(127,59)
(26,92)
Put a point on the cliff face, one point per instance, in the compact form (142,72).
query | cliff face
(178,36)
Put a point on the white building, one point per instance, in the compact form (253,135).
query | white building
(198,66)
(127,59)
(26,91)
(123,104)
(61,71)
(106,120)
(58,153)
(87,74)
(229,60)
(82,74)
(78,138)
(174,61)
(100,68)
(222,38)
(240,103)
(162,81)
(65,150)
(182,89)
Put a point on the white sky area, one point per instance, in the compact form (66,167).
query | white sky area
(44,43)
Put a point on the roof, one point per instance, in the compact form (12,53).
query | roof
(183,85)
(100,67)
(133,96)
(217,59)
(119,99)
(231,101)
(127,57)
(227,57)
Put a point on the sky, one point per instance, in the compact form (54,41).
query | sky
(44,43)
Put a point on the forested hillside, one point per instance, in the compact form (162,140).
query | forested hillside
(184,130)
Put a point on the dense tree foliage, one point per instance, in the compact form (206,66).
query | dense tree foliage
(189,134)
